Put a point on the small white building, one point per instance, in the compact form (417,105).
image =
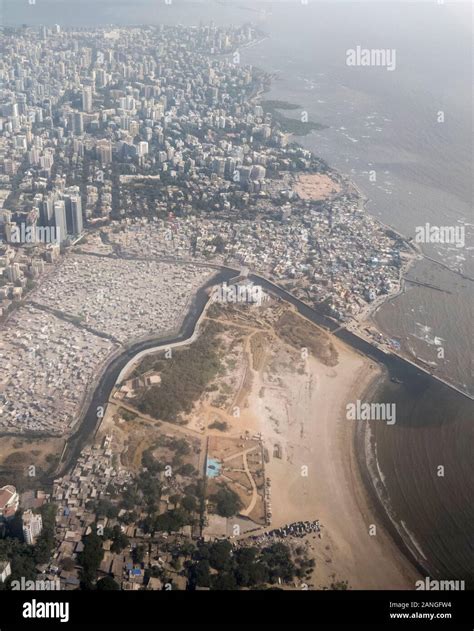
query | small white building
(32,526)
(5,570)
(9,501)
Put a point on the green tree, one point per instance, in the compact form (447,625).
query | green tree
(227,502)
(220,554)
(224,581)
(189,503)
(174,499)
(139,554)
(90,558)
(107,584)
(199,574)
(119,540)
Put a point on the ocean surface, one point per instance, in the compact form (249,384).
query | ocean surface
(387,122)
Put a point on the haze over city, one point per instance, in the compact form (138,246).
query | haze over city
(236,304)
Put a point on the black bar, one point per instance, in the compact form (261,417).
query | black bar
(242,610)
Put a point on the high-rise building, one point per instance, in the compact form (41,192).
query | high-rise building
(230,165)
(87,99)
(59,219)
(32,526)
(104,151)
(21,99)
(5,216)
(13,272)
(74,214)
(101,78)
(8,230)
(78,147)
(10,166)
(142,149)
(258,172)
(78,123)
(46,161)
(34,156)
(218,166)
(46,211)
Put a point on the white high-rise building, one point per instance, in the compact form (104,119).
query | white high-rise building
(32,526)
(59,214)
(142,148)
(87,99)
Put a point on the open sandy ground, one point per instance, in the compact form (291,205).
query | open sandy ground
(305,415)
(315,186)
(299,406)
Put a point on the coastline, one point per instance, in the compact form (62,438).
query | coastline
(334,490)
(347,517)
(364,451)
(414,255)
(411,382)
(357,471)
(377,497)
(352,470)
(388,565)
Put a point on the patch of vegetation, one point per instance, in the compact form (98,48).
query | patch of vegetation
(184,378)
(45,542)
(339,585)
(226,501)
(90,558)
(171,521)
(275,104)
(107,584)
(119,540)
(105,508)
(187,470)
(217,566)
(289,125)
(301,334)
(127,415)
(220,425)
(23,557)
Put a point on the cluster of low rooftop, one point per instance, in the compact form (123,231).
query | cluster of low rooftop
(125,299)
(46,366)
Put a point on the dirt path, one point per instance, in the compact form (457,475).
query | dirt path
(254,499)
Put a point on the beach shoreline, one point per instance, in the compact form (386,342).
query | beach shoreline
(315,436)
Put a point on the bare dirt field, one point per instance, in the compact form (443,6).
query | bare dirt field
(297,382)
(316,187)
(19,454)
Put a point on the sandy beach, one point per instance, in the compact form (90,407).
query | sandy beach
(291,381)
(317,476)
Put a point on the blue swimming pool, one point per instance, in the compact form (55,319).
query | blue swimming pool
(213,468)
